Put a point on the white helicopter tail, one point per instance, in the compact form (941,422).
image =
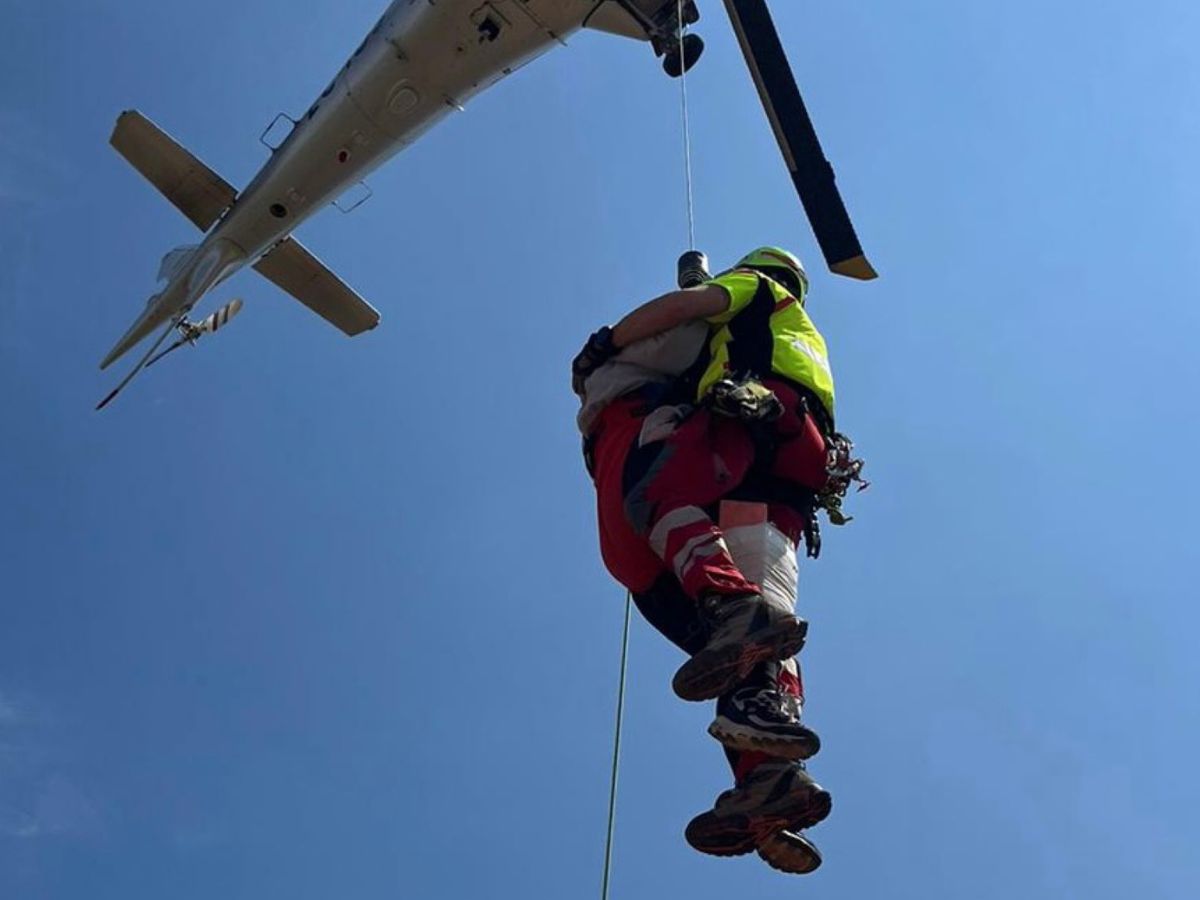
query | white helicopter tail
(204,196)
(196,190)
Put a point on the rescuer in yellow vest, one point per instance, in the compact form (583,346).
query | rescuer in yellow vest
(764,365)
(765,331)
(756,405)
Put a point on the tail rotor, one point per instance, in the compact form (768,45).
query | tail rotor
(218,319)
(189,334)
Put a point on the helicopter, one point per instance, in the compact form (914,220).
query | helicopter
(421,61)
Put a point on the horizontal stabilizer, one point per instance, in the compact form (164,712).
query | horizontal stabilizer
(292,268)
(195,189)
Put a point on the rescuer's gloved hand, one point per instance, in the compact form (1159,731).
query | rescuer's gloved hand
(598,350)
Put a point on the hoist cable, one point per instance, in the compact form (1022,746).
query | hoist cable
(620,714)
(687,132)
(612,789)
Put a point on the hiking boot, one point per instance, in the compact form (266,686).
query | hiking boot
(761,719)
(790,852)
(777,796)
(743,632)
(785,851)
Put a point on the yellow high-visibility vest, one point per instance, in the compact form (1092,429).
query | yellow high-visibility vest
(764,332)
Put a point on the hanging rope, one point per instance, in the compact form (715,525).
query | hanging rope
(691,233)
(612,790)
(687,136)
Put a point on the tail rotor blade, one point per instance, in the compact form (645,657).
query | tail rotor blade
(220,318)
(811,172)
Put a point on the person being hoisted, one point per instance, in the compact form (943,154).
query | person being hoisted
(751,411)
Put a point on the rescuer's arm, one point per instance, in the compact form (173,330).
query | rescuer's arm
(665,312)
(650,319)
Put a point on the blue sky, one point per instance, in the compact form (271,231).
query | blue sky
(308,617)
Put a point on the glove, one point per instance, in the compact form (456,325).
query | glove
(598,350)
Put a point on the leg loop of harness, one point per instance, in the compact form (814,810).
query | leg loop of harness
(754,405)
(758,407)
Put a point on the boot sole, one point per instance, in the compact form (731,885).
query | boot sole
(726,840)
(711,673)
(747,739)
(737,834)
(794,856)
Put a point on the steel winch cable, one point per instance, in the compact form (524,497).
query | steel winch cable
(687,132)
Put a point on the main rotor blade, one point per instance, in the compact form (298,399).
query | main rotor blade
(141,364)
(811,172)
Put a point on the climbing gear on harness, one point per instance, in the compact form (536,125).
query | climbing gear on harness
(766,720)
(812,536)
(780,265)
(598,350)
(745,399)
(843,470)
(776,795)
(743,631)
